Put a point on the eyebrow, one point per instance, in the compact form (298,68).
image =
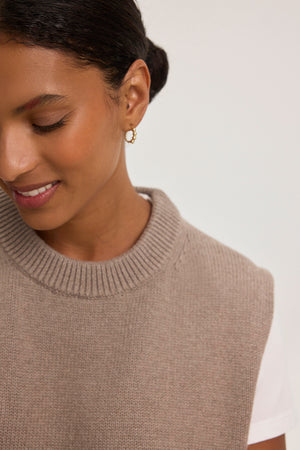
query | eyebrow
(44,99)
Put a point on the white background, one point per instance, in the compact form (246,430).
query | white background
(222,139)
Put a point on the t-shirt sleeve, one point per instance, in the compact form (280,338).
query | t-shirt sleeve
(273,410)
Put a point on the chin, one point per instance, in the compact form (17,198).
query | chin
(41,220)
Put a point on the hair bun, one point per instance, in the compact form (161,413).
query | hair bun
(158,65)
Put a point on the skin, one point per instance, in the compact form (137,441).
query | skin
(271,444)
(95,214)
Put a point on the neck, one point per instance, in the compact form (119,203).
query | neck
(109,228)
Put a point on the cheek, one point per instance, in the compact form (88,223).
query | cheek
(87,147)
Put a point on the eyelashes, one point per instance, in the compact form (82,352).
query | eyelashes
(48,128)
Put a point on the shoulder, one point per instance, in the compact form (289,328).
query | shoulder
(215,258)
(230,282)
(227,294)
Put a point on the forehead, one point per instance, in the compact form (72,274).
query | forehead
(27,71)
(16,57)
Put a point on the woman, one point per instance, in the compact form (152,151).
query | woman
(122,325)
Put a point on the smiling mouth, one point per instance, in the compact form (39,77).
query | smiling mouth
(39,191)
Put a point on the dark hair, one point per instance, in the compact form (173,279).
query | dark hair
(109,34)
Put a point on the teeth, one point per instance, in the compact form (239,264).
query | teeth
(36,192)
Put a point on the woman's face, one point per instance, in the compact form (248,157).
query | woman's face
(81,156)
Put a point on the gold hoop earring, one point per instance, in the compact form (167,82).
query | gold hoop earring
(134,135)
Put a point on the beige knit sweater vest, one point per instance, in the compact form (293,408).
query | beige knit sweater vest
(156,349)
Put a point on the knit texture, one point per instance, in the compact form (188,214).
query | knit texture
(158,348)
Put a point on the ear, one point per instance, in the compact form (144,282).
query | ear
(134,95)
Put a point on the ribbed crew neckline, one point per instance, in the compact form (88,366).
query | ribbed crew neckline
(92,279)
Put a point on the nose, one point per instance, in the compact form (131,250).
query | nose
(17,156)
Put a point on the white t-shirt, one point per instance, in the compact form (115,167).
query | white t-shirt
(273,410)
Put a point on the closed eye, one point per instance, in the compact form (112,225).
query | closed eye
(48,128)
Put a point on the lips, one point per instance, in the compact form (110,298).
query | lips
(30,187)
(35,192)
(37,195)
